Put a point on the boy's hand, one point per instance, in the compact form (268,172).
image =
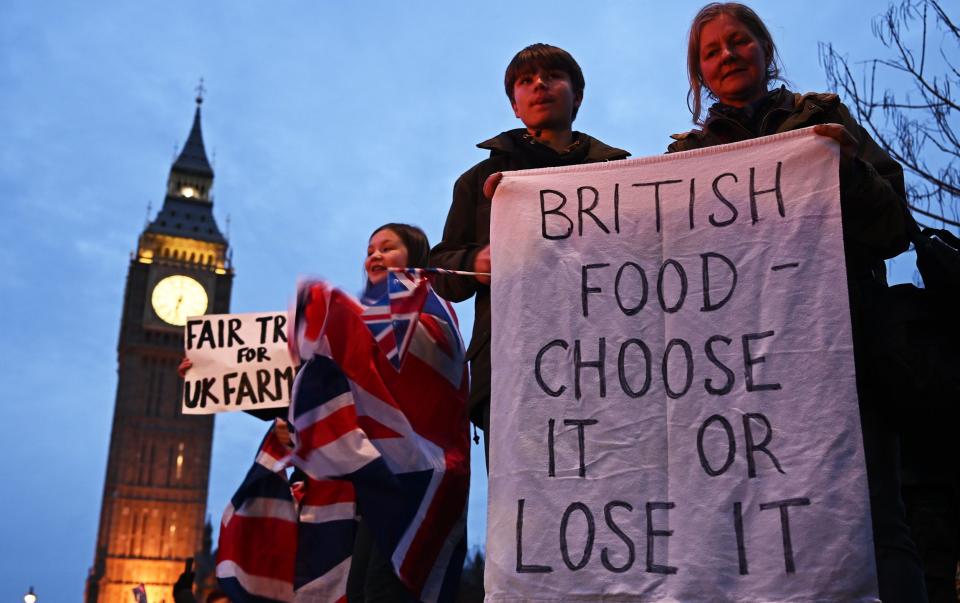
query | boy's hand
(481,263)
(490,186)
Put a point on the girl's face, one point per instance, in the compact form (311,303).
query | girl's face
(386,250)
(733,62)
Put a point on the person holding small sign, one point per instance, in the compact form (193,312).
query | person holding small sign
(545,87)
(732,59)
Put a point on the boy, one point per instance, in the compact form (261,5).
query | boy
(545,88)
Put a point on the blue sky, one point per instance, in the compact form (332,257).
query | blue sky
(323,120)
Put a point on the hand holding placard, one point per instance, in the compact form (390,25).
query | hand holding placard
(238,362)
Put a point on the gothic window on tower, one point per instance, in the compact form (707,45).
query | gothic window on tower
(134,524)
(180,460)
(147,458)
(141,463)
(162,373)
(147,363)
(156,390)
(142,544)
(162,535)
(150,462)
(172,539)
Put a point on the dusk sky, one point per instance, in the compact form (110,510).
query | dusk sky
(323,120)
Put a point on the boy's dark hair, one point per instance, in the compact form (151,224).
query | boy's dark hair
(543,56)
(414,239)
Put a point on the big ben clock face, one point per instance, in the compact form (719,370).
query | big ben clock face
(176,297)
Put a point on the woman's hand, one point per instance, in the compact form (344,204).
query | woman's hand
(848,143)
(490,185)
(481,263)
(185,365)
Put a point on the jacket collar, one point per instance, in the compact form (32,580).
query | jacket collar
(800,107)
(506,142)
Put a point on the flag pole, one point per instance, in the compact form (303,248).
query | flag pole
(438,271)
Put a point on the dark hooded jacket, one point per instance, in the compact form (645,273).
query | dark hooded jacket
(872,200)
(872,195)
(467,231)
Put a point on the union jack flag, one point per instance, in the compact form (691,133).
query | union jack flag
(381,433)
(258,533)
(393,318)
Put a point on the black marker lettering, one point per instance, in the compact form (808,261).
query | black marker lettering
(754,193)
(631,552)
(731,445)
(762,446)
(784,505)
(652,567)
(544,212)
(750,360)
(587,546)
(582,211)
(579,364)
(539,375)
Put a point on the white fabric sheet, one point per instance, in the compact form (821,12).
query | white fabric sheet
(688,478)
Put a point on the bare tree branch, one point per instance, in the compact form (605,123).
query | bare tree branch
(934,216)
(916,117)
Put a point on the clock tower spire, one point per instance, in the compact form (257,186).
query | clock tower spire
(155,491)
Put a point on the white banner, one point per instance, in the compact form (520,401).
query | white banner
(674,408)
(240,362)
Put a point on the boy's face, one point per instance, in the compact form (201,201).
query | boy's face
(544,99)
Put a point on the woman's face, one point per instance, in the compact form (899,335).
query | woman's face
(386,250)
(733,62)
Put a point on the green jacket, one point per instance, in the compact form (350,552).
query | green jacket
(872,194)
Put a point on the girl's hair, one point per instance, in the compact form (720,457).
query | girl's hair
(741,13)
(414,239)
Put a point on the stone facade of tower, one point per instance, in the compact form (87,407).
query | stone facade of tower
(154,497)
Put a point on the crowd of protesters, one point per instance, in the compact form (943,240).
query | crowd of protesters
(732,62)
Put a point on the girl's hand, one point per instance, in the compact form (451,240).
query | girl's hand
(185,365)
(848,143)
(282,429)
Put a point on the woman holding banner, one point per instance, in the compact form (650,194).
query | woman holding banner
(732,60)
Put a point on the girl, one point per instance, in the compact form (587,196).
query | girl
(422,398)
(392,245)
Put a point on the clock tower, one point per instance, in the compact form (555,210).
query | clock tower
(155,492)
